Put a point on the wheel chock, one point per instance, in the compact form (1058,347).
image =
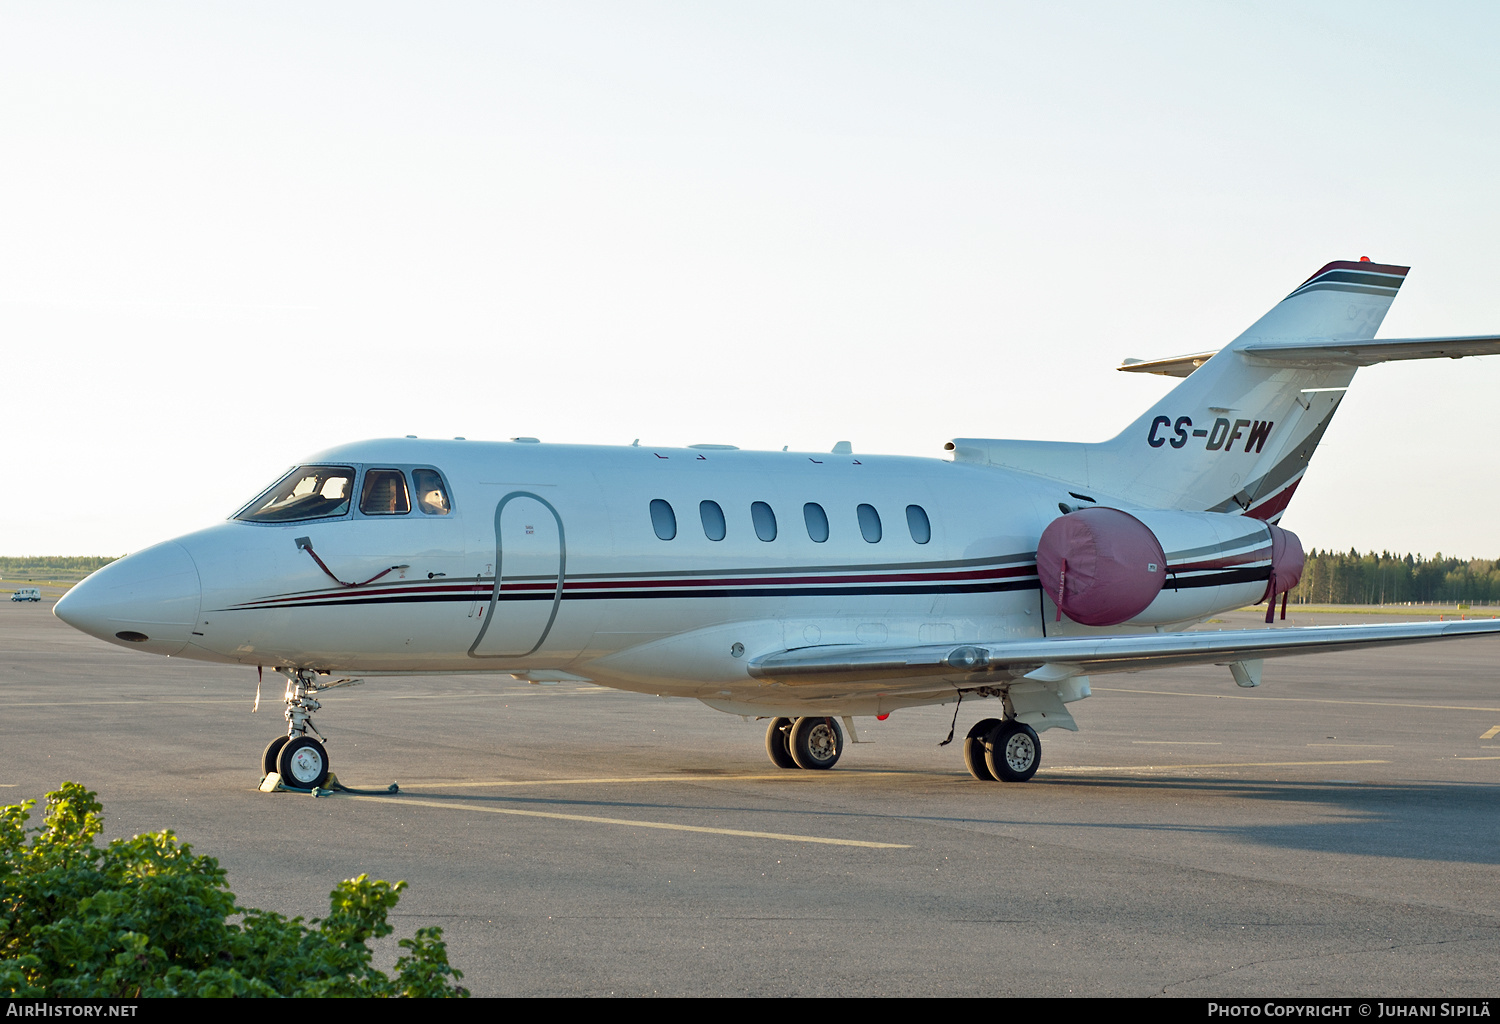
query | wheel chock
(272,784)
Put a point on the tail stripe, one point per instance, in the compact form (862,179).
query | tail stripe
(1335,286)
(1370,284)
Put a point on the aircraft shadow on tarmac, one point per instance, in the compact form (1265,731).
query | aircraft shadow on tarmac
(1440,821)
(1437,821)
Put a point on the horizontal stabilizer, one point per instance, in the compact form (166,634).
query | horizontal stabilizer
(1322,351)
(1172,366)
(1095,655)
(1367,353)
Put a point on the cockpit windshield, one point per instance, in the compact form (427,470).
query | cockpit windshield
(307,492)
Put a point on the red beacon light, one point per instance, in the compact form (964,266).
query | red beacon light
(1364,259)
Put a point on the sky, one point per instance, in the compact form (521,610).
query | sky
(234,234)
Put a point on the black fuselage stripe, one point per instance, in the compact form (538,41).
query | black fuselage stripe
(1219,579)
(1227,578)
(636,595)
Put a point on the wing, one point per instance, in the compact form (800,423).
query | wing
(998,662)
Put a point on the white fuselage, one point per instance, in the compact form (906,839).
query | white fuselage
(478,589)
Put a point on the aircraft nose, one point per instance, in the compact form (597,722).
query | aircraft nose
(147,601)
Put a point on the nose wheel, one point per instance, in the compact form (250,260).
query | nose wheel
(268,759)
(300,759)
(303,762)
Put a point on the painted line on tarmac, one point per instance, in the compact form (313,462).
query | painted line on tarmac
(1491,734)
(664,825)
(1299,700)
(1177,743)
(1179,767)
(1356,746)
(1489,758)
(99,703)
(511,695)
(788,776)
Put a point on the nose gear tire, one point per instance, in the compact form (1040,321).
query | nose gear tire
(268,759)
(303,763)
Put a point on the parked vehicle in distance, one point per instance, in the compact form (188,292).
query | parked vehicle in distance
(27,594)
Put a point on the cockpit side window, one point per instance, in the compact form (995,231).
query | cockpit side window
(384,493)
(432,496)
(307,492)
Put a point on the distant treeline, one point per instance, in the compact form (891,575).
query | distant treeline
(47,565)
(1349,577)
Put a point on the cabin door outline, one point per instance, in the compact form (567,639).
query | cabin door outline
(522,566)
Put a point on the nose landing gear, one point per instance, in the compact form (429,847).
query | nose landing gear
(300,759)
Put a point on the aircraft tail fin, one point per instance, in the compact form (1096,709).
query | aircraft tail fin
(1237,434)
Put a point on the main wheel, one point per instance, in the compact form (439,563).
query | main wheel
(974,749)
(1013,752)
(816,742)
(303,763)
(776,743)
(268,759)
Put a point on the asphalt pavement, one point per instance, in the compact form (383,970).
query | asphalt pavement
(1334,832)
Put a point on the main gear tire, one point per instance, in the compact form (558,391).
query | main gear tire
(816,742)
(1013,752)
(778,748)
(974,749)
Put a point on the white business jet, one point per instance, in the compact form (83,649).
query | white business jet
(802,588)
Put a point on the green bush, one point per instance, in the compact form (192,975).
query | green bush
(144,917)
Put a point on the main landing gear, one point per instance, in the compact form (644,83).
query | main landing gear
(298,758)
(804,742)
(1006,750)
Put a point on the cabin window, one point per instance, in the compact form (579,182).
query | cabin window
(384,493)
(432,496)
(663,519)
(817,521)
(869,523)
(764,520)
(307,492)
(713,519)
(918,524)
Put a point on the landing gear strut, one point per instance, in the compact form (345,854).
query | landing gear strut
(809,742)
(301,760)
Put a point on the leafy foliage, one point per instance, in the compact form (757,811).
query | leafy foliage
(145,917)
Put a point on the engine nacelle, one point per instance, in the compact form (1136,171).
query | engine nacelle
(1105,567)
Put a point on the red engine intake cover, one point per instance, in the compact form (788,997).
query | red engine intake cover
(1287,561)
(1102,566)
